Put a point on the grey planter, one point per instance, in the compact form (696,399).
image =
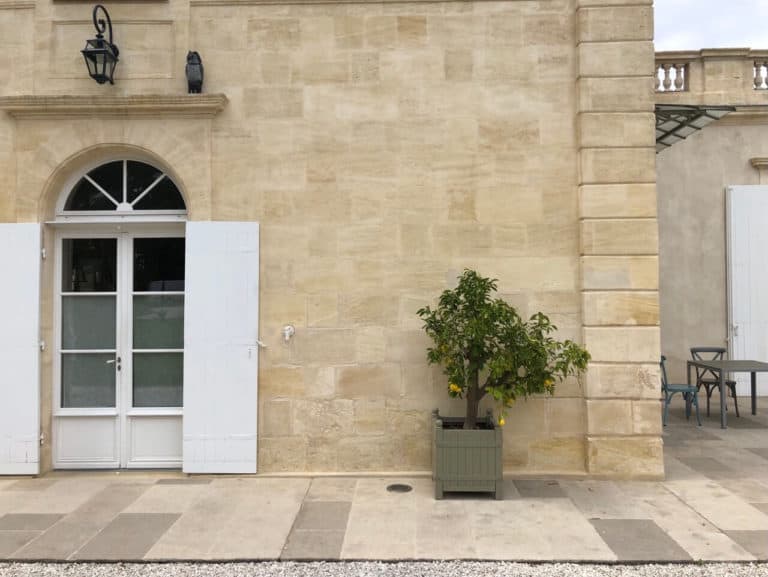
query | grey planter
(466,460)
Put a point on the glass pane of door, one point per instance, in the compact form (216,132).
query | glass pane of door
(89,322)
(89,265)
(158,322)
(87,380)
(158,379)
(158,264)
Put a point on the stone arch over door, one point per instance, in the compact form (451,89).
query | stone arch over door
(70,168)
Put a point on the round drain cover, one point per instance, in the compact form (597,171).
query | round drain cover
(399,488)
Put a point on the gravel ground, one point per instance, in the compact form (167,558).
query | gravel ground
(376,569)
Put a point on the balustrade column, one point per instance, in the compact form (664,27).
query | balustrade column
(675,77)
(761,74)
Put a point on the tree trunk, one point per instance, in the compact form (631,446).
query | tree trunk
(473,400)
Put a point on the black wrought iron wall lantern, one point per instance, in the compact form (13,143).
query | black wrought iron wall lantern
(100,54)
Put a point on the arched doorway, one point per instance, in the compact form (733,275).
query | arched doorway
(119,287)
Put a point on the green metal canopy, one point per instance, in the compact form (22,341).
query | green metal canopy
(676,122)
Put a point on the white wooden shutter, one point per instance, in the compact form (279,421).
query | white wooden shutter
(20,349)
(747,234)
(221,323)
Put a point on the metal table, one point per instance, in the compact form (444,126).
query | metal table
(731,366)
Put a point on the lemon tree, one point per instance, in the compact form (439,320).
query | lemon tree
(486,348)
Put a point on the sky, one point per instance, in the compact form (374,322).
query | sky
(696,24)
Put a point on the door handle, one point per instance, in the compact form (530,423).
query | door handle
(113,361)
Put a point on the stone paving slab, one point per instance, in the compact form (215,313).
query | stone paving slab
(11,541)
(235,518)
(67,536)
(128,537)
(303,545)
(756,542)
(27,521)
(639,540)
(712,506)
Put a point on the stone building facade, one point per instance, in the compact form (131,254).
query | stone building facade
(692,200)
(382,147)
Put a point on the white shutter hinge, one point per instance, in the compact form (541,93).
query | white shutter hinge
(42,439)
(43,253)
(42,345)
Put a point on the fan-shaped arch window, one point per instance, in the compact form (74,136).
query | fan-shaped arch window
(125,186)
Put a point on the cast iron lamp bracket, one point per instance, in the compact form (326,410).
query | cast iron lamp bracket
(101,56)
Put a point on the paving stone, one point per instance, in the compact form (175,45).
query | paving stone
(639,540)
(700,538)
(510,490)
(62,497)
(189,481)
(235,518)
(31,485)
(167,499)
(604,500)
(533,529)
(747,488)
(535,489)
(709,467)
(742,422)
(331,489)
(437,518)
(682,436)
(756,542)
(71,533)
(323,515)
(12,541)
(721,507)
(27,521)
(128,537)
(304,545)
(762,452)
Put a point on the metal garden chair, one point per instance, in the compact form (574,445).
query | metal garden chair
(688,392)
(709,379)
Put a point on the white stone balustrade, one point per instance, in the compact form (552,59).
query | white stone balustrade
(671,77)
(712,76)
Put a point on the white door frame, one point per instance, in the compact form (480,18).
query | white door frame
(126,421)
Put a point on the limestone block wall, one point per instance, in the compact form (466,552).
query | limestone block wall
(384,147)
(619,241)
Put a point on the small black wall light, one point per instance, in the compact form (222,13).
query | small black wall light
(100,54)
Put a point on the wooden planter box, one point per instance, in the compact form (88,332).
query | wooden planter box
(466,460)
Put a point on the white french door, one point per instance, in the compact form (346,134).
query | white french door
(119,358)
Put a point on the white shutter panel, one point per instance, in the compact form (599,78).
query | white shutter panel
(221,323)
(747,234)
(20,349)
